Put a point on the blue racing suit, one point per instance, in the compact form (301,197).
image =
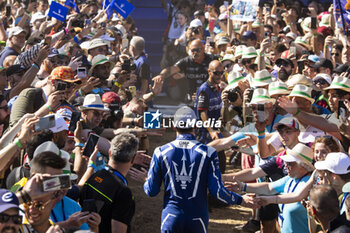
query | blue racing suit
(187,168)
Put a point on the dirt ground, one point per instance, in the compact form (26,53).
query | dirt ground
(148,210)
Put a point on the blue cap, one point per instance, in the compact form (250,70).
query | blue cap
(8,200)
(313,58)
(249,35)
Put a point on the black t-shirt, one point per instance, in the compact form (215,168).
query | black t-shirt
(195,73)
(118,200)
(274,168)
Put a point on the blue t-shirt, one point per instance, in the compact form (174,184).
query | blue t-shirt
(64,209)
(294,214)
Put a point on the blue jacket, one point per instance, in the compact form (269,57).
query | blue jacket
(187,168)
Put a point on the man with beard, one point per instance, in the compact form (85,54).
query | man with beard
(16,39)
(44,100)
(194,67)
(10,219)
(100,69)
(4,114)
(286,67)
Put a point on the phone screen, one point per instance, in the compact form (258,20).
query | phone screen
(61,86)
(73,121)
(45,123)
(300,67)
(261,112)
(57,182)
(313,23)
(90,145)
(341,110)
(81,72)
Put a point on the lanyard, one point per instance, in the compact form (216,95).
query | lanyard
(119,175)
(290,184)
(342,202)
(64,215)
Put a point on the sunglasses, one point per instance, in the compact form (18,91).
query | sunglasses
(335,54)
(36,205)
(16,219)
(320,81)
(5,108)
(217,72)
(228,66)
(285,64)
(195,50)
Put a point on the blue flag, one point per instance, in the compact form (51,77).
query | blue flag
(58,11)
(123,7)
(108,7)
(342,13)
(72,4)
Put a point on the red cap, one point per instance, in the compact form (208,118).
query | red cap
(111,98)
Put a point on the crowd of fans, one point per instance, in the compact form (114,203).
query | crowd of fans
(279,85)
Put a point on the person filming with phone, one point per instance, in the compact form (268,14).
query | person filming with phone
(41,101)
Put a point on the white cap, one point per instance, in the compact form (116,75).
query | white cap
(196,23)
(15,31)
(60,124)
(184,118)
(323,76)
(337,163)
(37,16)
(291,122)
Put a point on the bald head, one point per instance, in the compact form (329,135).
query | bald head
(325,201)
(196,50)
(197,43)
(213,65)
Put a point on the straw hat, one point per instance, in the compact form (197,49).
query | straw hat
(306,24)
(261,96)
(278,88)
(249,52)
(341,83)
(239,50)
(262,78)
(233,78)
(301,41)
(298,79)
(299,153)
(49,146)
(96,43)
(302,91)
(93,101)
(99,60)
(228,57)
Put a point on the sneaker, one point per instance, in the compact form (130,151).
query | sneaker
(251,226)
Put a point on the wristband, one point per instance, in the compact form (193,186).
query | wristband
(298,111)
(80,145)
(76,40)
(245,187)
(66,30)
(261,136)
(35,66)
(19,144)
(81,92)
(117,84)
(93,165)
(49,107)
(262,132)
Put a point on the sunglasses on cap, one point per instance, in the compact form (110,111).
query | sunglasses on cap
(324,136)
(320,81)
(217,72)
(16,219)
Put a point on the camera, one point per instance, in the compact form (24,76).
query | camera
(116,114)
(128,66)
(195,30)
(232,95)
